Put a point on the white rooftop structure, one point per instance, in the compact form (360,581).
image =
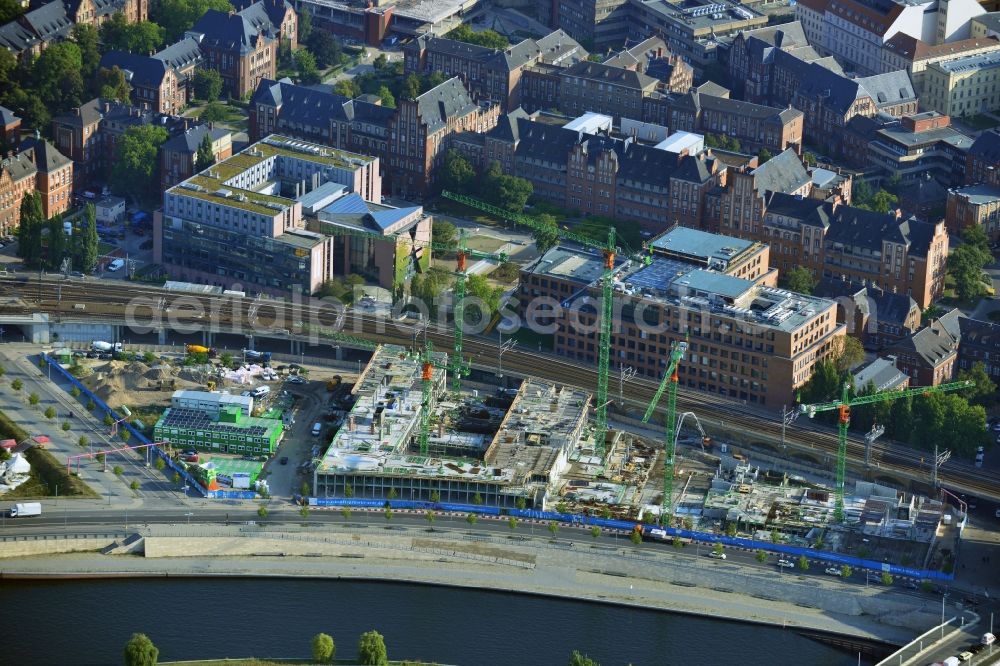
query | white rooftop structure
(211,402)
(590,123)
(681,142)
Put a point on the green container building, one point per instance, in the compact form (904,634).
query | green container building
(230,432)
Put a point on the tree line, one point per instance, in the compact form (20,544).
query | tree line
(43,244)
(954,420)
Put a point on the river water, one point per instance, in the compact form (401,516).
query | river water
(88,622)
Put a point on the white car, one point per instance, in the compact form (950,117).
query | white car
(116,265)
(786,564)
(295,379)
(833,571)
(717,556)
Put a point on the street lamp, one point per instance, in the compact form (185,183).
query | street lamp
(625,372)
(787,417)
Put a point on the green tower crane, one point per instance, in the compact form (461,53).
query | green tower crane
(459,367)
(427,365)
(609,251)
(843,407)
(668,383)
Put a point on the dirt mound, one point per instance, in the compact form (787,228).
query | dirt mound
(158,373)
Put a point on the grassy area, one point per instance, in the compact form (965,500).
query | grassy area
(485,243)
(48,475)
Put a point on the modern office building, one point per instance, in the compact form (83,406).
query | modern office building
(212,402)
(241,222)
(228,431)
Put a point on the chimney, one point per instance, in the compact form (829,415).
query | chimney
(779,36)
(350,423)
(834,204)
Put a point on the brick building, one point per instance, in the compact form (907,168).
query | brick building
(490,74)
(242,53)
(928,356)
(155,84)
(982,159)
(974,205)
(26,36)
(35,165)
(178,156)
(10,127)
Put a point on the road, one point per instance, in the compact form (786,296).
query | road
(109,302)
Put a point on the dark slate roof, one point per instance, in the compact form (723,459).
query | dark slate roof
(19,167)
(228,32)
(598,72)
(507,126)
(980,334)
(101,7)
(16,38)
(49,21)
(190,140)
(926,190)
(90,113)
(987,146)
(782,35)
(441,103)
(7,117)
(300,104)
(558,47)
(889,88)
(769,114)
(693,169)
(181,54)
(891,306)
(868,229)
(264,13)
(140,70)
(782,173)
(43,154)
(931,344)
(835,91)
(796,207)
(639,54)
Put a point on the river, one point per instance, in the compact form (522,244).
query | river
(88,622)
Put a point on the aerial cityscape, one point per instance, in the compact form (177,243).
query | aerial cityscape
(494,332)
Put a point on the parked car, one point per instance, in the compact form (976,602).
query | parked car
(713,554)
(833,571)
(284,460)
(786,564)
(116,265)
(295,379)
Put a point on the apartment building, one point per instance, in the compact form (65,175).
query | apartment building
(755,126)
(963,86)
(242,53)
(915,55)
(974,206)
(855,32)
(979,342)
(54,175)
(747,340)
(26,36)
(652,56)
(490,74)
(241,221)
(278,16)
(178,156)
(155,85)
(590,86)
(742,202)
(928,356)
(752,58)
(18,176)
(875,317)
(185,58)
(982,159)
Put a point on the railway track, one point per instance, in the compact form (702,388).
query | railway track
(111,302)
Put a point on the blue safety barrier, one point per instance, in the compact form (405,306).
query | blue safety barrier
(629,526)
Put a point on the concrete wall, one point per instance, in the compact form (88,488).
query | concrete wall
(80,332)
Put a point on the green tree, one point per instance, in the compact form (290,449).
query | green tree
(595,532)
(305,26)
(83,441)
(520,503)
(140,651)
(488,38)
(380,62)
(348,490)
(17,385)
(388,101)
(577,659)
(471,519)
(206,156)
(323,649)
(846,571)
(57,243)
(207,84)
(346,513)
(387,513)
(803,563)
(134,485)
(823,384)
(547,234)
(347,87)
(29,234)
(512,523)
(553,528)
(809,159)
(50,412)
(305,64)
(764,155)
(213,112)
(435,496)
(136,164)
(775,536)
(262,511)
(477,499)
(176,16)
(10,10)
(430,517)
(112,84)
(456,172)
(87,39)
(966,262)
(847,352)
(371,649)
(886,578)
(411,86)
(761,556)
(717,549)
(58,78)
(176,477)
(984,391)
(444,232)
(118,470)
(325,48)
(33,399)
(510,192)
(799,279)
(85,242)
(636,537)
(159,464)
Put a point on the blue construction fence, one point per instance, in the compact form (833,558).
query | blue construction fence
(87,394)
(629,526)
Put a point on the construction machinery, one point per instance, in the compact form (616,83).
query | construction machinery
(843,407)
(427,366)
(610,251)
(459,367)
(668,384)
